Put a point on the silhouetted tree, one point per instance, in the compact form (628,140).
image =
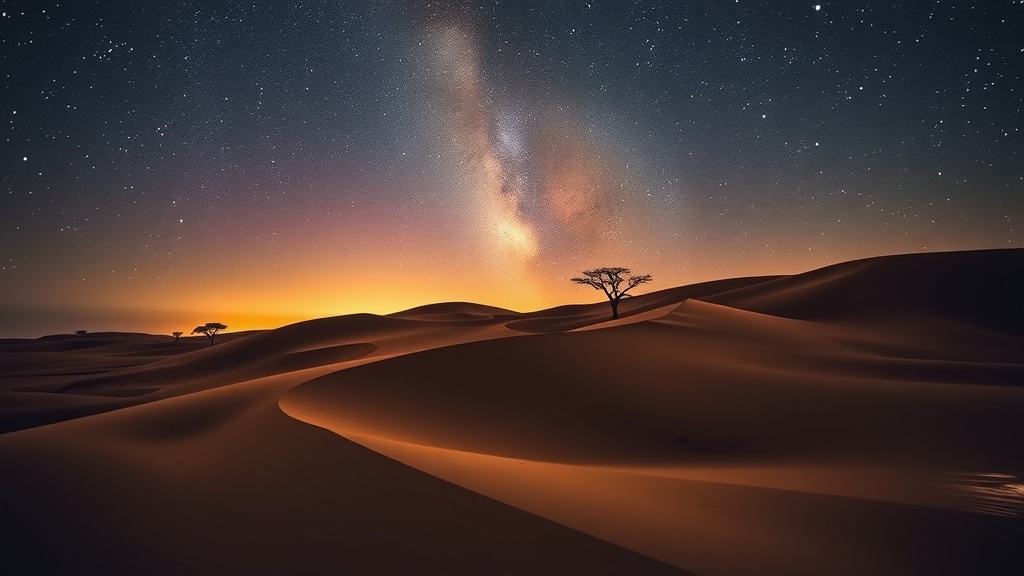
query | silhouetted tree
(210,329)
(609,281)
(80,332)
(176,335)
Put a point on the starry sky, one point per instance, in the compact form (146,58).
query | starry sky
(165,164)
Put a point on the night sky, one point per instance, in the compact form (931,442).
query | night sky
(166,164)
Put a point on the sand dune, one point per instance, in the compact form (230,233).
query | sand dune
(572,317)
(110,369)
(631,393)
(981,288)
(222,482)
(859,419)
(455,311)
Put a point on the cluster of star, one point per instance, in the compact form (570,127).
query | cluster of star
(284,149)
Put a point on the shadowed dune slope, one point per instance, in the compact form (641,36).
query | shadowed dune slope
(114,343)
(981,288)
(33,371)
(92,342)
(113,372)
(297,346)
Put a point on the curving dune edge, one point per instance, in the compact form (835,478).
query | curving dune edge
(859,419)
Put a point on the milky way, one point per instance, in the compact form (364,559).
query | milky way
(166,164)
(492,153)
(541,183)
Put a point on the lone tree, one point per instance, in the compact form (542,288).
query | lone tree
(81,332)
(176,335)
(609,281)
(210,329)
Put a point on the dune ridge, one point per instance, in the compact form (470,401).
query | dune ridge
(980,287)
(851,420)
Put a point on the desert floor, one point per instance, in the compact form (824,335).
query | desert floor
(866,418)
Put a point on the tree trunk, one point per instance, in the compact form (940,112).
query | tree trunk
(615,309)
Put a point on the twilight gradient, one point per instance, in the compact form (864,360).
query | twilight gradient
(166,164)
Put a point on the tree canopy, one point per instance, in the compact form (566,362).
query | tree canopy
(609,280)
(209,329)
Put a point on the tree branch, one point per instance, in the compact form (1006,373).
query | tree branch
(610,279)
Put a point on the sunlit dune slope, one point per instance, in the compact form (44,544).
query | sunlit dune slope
(705,382)
(222,482)
(815,443)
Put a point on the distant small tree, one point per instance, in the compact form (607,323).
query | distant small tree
(176,335)
(81,332)
(210,330)
(609,280)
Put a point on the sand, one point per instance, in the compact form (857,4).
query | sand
(859,419)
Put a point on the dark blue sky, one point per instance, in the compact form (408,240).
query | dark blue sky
(174,158)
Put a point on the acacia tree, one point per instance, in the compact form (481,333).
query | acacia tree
(177,335)
(609,280)
(209,329)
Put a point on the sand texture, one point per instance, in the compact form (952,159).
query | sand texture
(865,418)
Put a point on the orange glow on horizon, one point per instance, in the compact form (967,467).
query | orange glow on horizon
(360,268)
